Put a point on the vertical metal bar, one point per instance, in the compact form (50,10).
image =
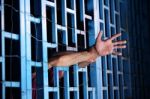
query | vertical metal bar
(23,53)
(104,93)
(63,12)
(122,80)
(44,49)
(93,93)
(56,83)
(3,49)
(66,25)
(85,85)
(117,70)
(75,23)
(110,56)
(76,81)
(66,85)
(65,20)
(38,49)
(97,69)
(55,24)
(110,86)
(28,49)
(84,24)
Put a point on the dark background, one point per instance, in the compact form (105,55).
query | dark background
(139,35)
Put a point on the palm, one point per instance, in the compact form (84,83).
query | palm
(105,47)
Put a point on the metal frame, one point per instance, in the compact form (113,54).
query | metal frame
(106,79)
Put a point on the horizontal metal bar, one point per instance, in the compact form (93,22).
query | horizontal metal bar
(117,13)
(36,64)
(73,88)
(70,11)
(88,17)
(125,88)
(35,20)
(109,72)
(91,89)
(48,3)
(61,27)
(51,45)
(114,56)
(62,68)
(124,58)
(123,30)
(101,21)
(106,7)
(71,48)
(120,73)
(104,88)
(11,84)
(80,32)
(11,35)
(115,88)
(53,89)
(105,38)
(112,25)
(82,70)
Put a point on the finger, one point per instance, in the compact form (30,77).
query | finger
(115,36)
(120,46)
(100,35)
(120,42)
(117,53)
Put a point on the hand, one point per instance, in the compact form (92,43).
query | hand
(105,47)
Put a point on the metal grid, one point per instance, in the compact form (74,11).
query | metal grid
(50,26)
(115,70)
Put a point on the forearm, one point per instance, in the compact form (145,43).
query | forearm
(70,58)
(84,64)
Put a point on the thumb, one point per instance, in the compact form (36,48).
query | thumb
(99,37)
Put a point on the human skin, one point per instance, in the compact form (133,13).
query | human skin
(83,58)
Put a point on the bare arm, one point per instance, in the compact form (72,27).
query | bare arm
(70,58)
(101,48)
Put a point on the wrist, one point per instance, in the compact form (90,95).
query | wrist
(93,53)
(97,53)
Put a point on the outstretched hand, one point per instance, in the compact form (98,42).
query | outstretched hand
(105,47)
